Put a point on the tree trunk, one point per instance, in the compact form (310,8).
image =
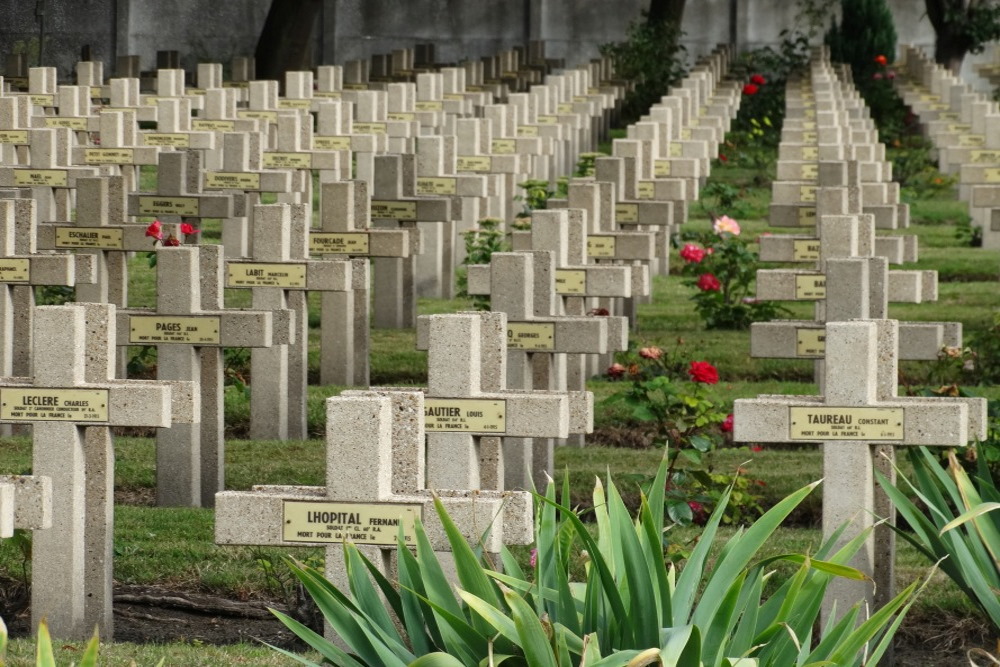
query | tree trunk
(285,43)
(665,11)
(950,46)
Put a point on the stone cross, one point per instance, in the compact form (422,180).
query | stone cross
(345,231)
(190,329)
(393,206)
(241,173)
(47,173)
(374,490)
(22,268)
(178,193)
(62,403)
(25,503)
(280,275)
(118,149)
(859,409)
(523,285)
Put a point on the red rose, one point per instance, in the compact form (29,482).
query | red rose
(650,353)
(704,372)
(155,230)
(723,158)
(708,283)
(188,229)
(750,89)
(172,241)
(758,80)
(881,60)
(692,254)
(727,425)
(616,371)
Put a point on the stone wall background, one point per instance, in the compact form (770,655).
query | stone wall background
(214,31)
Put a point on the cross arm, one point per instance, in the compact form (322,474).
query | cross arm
(901,422)
(798,339)
(62,270)
(119,403)
(912,286)
(605,280)
(236,328)
(185,401)
(25,503)
(256,517)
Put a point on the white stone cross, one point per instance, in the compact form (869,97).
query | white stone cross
(858,410)
(65,404)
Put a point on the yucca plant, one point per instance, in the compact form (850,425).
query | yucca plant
(44,656)
(630,609)
(961,527)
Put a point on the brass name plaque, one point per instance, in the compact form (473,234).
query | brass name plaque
(809,172)
(564,107)
(13,136)
(601,246)
(369,128)
(183,206)
(626,213)
(971,140)
(108,156)
(254,114)
(394,210)
(287,160)
(71,123)
(375,524)
(157,329)
(805,250)
(15,270)
(464,415)
(503,146)
(820,423)
(294,104)
(547,120)
(332,143)
(810,152)
(436,185)
(807,216)
(99,238)
(531,336)
(338,243)
(428,105)
(810,343)
(975,156)
(809,137)
(54,178)
(475,163)
(406,116)
(807,193)
(675,150)
(204,124)
(231,180)
(175,139)
(810,288)
(265,275)
(686,132)
(43,100)
(646,189)
(328,94)
(661,167)
(991,175)
(31,404)
(527,131)
(571,281)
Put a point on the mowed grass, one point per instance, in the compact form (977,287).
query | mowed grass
(175,547)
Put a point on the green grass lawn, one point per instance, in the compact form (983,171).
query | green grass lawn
(174,547)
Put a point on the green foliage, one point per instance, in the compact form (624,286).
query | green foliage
(865,31)
(44,656)
(722,268)
(683,415)
(631,608)
(915,170)
(535,198)
(986,350)
(480,244)
(54,295)
(652,59)
(961,528)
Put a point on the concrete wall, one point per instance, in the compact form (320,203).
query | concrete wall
(213,30)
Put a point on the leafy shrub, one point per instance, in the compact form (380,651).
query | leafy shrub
(480,244)
(652,58)
(632,608)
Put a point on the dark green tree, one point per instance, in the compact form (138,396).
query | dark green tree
(286,40)
(865,32)
(961,27)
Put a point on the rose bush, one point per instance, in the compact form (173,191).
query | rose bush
(722,267)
